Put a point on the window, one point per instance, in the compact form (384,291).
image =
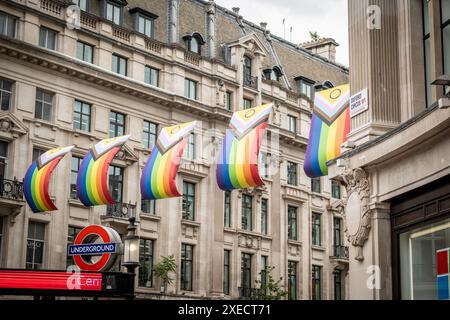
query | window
(226,271)
(264,164)
(119,65)
(82,4)
(74,167)
(5,94)
(247,210)
(7,25)
(335,189)
(337,279)
(148,206)
(43,107)
(292,173)
(187,257)
(292,124)
(247,68)
(264,216)
(37,153)
(264,267)
(337,231)
(306,89)
(188,201)
(116,183)
(189,151)
(316,229)
(146,263)
(35,245)
(272,74)
(246,274)
(227,210)
(194,43)
(85,52)
(228,100)
(113,13)
(116,124)
(150,134)
(190,89)
(316,282)
(145,25)
(3,158)
(315,185)
(445,26)
(47,38)
(292,223)
(305,86)
(151,76)
(71,235)
(292,280)
(427,51)
(247,103)
(82,116)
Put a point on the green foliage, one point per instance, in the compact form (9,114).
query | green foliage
(314,35)
(164,268)
(269,289)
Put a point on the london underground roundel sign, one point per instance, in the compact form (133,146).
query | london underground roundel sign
(96,248)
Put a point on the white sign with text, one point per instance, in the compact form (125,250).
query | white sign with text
(359,103)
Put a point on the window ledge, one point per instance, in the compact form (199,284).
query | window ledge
(294,242)
(190,223)
(149,216)
(78,133)
(75,203)
(318,248)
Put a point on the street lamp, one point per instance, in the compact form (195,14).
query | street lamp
(443,80)
(131,250)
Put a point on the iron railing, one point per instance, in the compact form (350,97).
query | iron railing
(340,252)
(121,210)
(11,189)
(250,81)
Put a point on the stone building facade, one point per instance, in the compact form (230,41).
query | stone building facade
(397,167)
(131,67)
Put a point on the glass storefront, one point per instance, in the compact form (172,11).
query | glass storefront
(418,260)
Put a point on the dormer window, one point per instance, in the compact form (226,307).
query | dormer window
(305,86)
(144,21)
(113,10)
(194,42)
(273,74)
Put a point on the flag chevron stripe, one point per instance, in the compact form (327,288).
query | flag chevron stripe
(326,137)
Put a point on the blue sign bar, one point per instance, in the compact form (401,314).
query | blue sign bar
(91,249)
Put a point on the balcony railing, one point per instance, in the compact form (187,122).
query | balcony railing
(250,81)
(121,210)
(11,189)
(340,252)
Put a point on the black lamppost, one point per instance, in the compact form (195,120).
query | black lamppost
(131,251)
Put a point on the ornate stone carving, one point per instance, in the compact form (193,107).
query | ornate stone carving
(356,181)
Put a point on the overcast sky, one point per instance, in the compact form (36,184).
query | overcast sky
(327,17)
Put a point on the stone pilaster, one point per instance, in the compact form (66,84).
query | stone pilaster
(174,6)
(211,28)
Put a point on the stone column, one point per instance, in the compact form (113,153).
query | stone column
(174,6)
(374,59)
(211,29)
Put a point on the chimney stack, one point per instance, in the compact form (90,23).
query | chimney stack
(236,10)
(263,25)
(325,47)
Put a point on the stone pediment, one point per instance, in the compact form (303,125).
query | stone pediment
(251,43)
(11,124)
(127,154)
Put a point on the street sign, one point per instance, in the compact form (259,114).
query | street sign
(359,103)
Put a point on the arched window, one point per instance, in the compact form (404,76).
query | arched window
(194,42)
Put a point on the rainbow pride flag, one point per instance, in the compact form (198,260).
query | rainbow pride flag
(158,176)
(237,166)
(37,179)
(92,178)
(330,124)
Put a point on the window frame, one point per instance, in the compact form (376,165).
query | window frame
(247,103)
(4,160)
(337,284)
(185,261)
(70,239)
(226,271)
(48,31)
(82,115)
(316,229)
(151,204)
(4,92)
(189,152)
(336,189)
(264,216)
(189,85)
(74,173)
(7,18)
(247,212)
(292,173)
(149,135)
(246,269)
(316,279)
(149,73)
(292,279)
(228,103)
(84,45)
(43,104)
(35,240)
(116,124)
(189,197)
(444,26)
(119,181)
(144,274)
(316,181)
(227,218)
(292,212)
(118,64)
(115,6)
(292,123)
